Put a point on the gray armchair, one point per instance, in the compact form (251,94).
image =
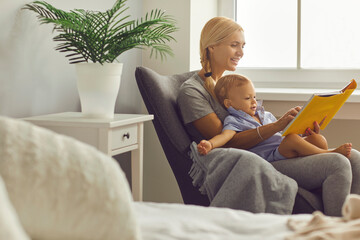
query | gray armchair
(159,94)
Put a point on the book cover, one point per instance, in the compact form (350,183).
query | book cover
(321,107)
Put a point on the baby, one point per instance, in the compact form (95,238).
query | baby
(237,94)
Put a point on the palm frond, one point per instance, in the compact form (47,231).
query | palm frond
(102,36)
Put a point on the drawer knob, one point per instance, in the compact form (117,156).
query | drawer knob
(127,135)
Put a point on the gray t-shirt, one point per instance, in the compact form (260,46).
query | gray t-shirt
(196,102)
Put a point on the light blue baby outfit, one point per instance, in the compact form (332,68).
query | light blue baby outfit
(240,121)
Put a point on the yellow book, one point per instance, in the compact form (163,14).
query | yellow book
(321,108)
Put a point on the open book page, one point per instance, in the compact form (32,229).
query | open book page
(320,108)
(350,85)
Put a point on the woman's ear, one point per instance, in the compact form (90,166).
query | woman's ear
(227,103)
(211,49)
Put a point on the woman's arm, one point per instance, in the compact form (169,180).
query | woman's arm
(208,126)
(249,138)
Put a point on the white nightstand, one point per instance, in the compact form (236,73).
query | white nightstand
(123,133)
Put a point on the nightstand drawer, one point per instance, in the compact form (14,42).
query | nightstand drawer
(124,136)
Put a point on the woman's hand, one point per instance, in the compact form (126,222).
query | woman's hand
(282,122)
(316,130)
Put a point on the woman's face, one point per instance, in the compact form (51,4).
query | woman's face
(226,55)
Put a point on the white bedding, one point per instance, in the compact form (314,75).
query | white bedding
(164,221)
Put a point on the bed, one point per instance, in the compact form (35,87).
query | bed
(53,187)
(164,221)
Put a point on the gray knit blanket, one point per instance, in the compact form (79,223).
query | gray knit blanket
(239,179)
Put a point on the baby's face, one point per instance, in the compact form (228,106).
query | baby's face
(243,98)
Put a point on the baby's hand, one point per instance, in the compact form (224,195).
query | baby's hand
(204,147)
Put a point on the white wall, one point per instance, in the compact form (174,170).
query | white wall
(191,15)
(201,11)
(159,182)
(180,10)
(35,79)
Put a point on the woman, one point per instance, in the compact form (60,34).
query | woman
(221,47)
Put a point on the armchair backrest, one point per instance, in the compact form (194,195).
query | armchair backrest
(159,94)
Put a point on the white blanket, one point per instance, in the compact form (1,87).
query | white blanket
(322,227)
(164,221)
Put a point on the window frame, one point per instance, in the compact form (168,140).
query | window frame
(314,78)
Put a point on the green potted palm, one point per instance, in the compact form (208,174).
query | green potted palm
(92,40)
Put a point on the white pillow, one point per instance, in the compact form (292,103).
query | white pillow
(62,188)
(10,227)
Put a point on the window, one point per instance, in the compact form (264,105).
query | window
(270,32)
(298,43)
(330,34)
(300,33)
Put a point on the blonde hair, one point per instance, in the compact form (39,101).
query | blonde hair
(215,31)
(225,83)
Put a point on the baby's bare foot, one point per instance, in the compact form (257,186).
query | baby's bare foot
(344,149)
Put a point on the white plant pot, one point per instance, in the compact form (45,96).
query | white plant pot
(98,87)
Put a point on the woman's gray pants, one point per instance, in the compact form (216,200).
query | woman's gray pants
(334,173)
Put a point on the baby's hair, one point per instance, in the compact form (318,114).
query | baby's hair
(225,83)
